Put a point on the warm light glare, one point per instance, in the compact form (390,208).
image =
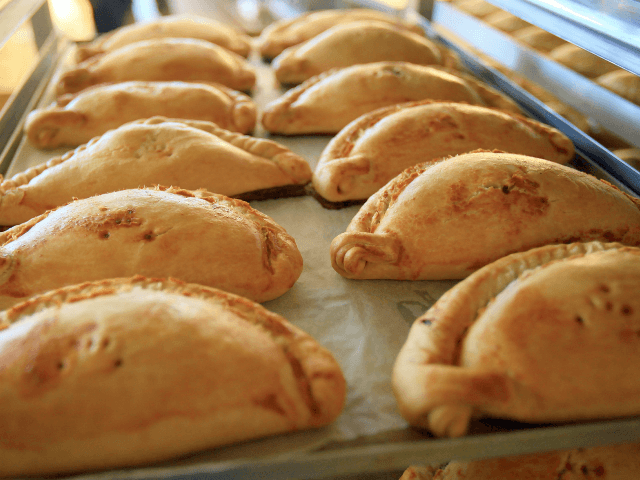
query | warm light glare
(74,18)
(397,4)
(17,57)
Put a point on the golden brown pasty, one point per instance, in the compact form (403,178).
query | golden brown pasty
(189,154)
(288,32)
(74,119)
(629,155)
(161,59)
(447,219)
(538,39)
(581,61)
(546,335)
(622,83)
(198,237)
(170,26)
(505,21)
(376,147)
(130,371)
(327,102)
(613,462)
(353,43)
(477,8)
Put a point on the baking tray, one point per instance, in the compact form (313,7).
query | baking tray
(364,324)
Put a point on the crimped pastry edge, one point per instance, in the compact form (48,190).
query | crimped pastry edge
(239,206)
(339,147)
(280,155)
(344,142)
(426,351)
(319,378)
(273,116)
(270,47)
(242,114)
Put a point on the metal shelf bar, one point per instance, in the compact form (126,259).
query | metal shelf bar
(14,14)
(395,456)
(611,31)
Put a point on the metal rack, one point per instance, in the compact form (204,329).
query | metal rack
(12,16)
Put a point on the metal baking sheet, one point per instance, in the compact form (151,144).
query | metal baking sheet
(364,323)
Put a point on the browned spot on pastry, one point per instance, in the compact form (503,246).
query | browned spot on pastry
(304,386)
(47,359)
(604,288)
(270,402)
(579,320)
(491,386)
(599,471)
(626,310)
(104,235)
(108,221)
(629,335)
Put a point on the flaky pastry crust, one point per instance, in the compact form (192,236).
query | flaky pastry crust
(289,32)
(376,147)
(161,59)
(129,371)
(74,119)
(196,236)
(328,102)
(546,335)
(613,462)
(447,219)
(354,43)
(186,153)
(170,26)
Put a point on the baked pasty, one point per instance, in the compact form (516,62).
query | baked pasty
(581,61)
(477,8)
(161,59)
(613,462)
(353,43)
(288,32)
(505,21)
(445,220)
(547,335)
(376,147)
(189,154)
(130,371)
(199,237)
(538,39)
(327,102)
(75,119)
(170,26)
(630,156)
(622,83)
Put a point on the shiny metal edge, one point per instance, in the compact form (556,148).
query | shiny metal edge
(601,28)
(620,116)
(395,456)
(23,100)
(14,14)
